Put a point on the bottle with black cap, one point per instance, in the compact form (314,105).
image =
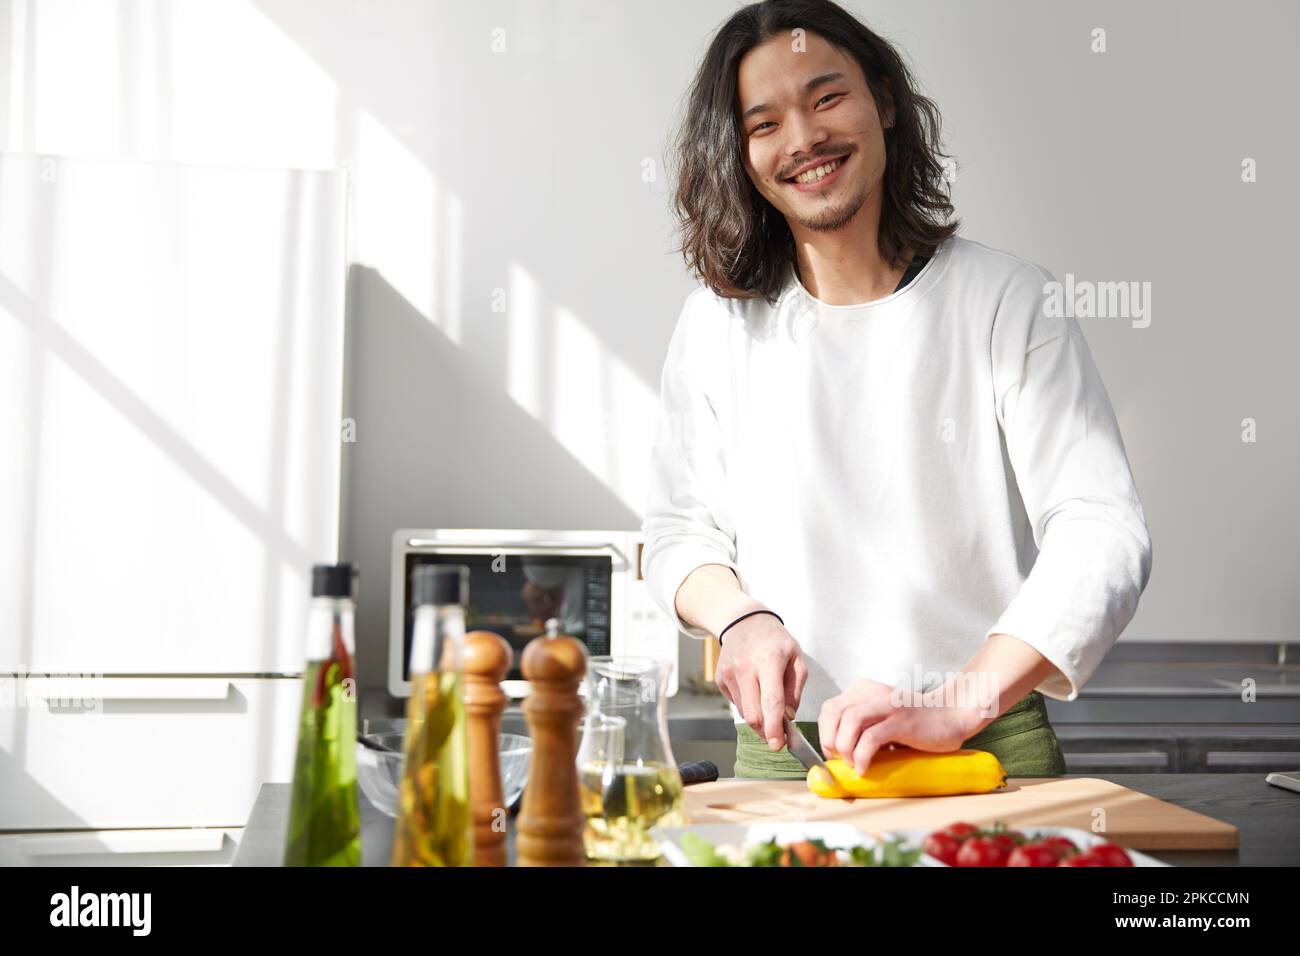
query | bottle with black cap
(324,825)
(435,821)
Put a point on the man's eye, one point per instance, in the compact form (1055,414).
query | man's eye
(828,96)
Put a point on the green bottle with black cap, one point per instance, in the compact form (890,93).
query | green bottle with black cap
(324,825)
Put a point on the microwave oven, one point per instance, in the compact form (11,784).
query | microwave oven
(590,581)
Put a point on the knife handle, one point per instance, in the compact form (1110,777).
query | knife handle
(697,771)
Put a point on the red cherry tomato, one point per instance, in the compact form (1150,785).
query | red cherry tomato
(1083,859)
(979,851)
(1005,840)
(943,847)
(1033,854)
(1061,846)
(1111,854)
(961,831)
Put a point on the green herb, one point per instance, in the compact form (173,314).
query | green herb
(700,851)
(765,854)
(894,852)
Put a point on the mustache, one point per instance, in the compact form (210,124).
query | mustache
(841,152)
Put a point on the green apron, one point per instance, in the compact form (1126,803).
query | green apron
(1022,739)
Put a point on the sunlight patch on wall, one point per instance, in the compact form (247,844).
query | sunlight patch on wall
(591,402)
(395,215)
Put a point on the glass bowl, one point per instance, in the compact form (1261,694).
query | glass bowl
(379,767)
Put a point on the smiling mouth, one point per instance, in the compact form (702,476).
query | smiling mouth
(817,173)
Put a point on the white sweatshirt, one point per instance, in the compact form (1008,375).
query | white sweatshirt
(900,479)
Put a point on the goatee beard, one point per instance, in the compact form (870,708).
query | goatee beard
(834,218)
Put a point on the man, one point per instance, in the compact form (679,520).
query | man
(889,479)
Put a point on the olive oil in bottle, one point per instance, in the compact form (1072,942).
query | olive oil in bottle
(324,826)
(434,823)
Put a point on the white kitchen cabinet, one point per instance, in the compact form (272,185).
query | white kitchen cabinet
(188,847)
(151,753)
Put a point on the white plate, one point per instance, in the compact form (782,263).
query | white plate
(836,836)
(1080,838)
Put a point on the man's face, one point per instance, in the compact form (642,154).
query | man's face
(540,602)
(818,109)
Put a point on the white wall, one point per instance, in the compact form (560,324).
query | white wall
(476,171)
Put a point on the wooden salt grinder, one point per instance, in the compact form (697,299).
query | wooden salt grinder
(550,825)
(487,660)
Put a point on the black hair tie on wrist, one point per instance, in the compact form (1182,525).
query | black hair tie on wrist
(750,614)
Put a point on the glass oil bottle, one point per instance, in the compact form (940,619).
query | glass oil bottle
(324,826)
(434,823)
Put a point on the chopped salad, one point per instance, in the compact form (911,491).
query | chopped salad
(701,852)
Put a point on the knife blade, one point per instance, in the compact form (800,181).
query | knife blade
(799,746)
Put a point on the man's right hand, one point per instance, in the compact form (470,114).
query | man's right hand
(762,671)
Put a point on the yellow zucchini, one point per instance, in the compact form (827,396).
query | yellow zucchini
(904,772)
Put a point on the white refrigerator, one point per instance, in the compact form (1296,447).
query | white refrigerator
(171,367)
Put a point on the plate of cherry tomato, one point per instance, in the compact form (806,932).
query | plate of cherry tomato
(967,845)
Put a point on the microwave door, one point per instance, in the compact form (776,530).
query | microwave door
(517,586)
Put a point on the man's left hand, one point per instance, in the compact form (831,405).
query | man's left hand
(869,715)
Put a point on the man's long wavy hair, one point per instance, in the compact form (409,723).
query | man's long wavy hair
(733,239)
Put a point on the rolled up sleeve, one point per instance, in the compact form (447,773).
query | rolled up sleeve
(1064,444)
(687,524)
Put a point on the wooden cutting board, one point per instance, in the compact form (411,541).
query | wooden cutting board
(1131,819)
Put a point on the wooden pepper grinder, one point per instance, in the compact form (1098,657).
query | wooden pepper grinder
(487,660)
(551,820)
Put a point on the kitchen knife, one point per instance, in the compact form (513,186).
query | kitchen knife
(798,745)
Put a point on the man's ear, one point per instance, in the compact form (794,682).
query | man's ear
(887,94)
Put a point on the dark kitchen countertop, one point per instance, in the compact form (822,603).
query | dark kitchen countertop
(1267,818)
